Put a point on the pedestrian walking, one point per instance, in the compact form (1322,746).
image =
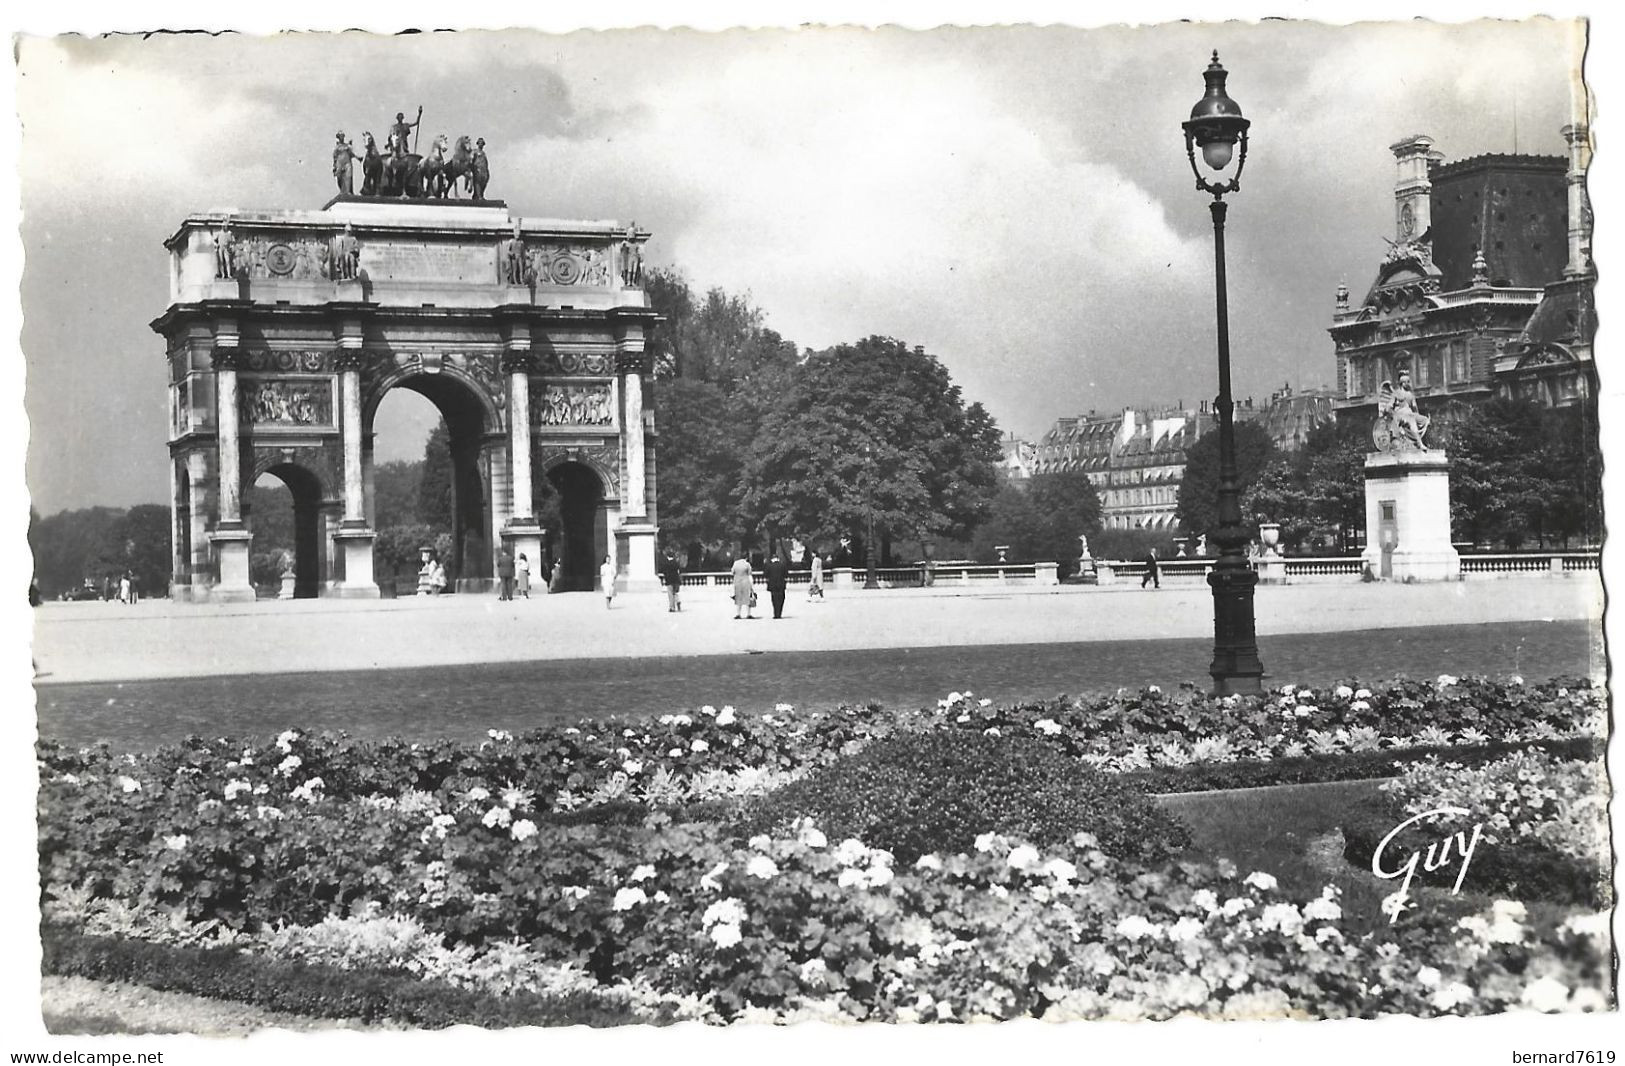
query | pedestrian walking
(778,578)
(505,574)
(437,575)
(606,577)
(815,589)
(521,571)
(671,575)
(124,588)
(1153,571)
(744,588)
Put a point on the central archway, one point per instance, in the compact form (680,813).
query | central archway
(473,431)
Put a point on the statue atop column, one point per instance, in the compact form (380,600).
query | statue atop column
(343,153)
(513,258)
(225,253)
(631,258)
(345,255)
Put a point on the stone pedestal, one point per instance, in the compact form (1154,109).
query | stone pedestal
(1407,517)
(356,546)
(1271,569)
(841,577)
(525,538)
(1046,573)
(639,537)
(289,580)
(231,551)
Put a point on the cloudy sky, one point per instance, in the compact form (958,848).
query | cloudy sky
(1014,199)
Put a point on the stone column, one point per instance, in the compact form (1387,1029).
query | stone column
(521,535)
(230,539)
(635,528)
(354,538)
(1578,137)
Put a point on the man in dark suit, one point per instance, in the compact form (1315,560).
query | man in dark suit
(671,575)
(778,576)
(505,573)
(1153,571)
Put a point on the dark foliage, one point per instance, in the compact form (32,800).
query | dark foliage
(315,991)
(917,793)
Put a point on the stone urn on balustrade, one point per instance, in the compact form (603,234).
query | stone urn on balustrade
(1271,566)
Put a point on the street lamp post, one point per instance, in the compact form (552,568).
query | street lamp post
(1216,127)
(870,581)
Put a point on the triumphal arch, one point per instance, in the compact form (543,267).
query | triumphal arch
(285,329)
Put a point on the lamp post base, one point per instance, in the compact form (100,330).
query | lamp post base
(1236,668)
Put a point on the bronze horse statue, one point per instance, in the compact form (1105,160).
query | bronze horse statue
(403,175)
(440,174)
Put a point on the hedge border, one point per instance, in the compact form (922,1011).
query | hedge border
(1342,766)
(315,990)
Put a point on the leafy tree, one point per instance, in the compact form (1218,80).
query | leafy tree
(395,488)
(65,545)
(1521,473)
(872,428)
(1042,521)
(1198,507)
(139,542)
(703,441)
(436,496)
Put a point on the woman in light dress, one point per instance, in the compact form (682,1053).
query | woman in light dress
(606,577)
(744,589)
(815,588)
(521,571)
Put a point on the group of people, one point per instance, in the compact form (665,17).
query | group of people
(513,575)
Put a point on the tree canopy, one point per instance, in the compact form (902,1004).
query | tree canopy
(1198,507)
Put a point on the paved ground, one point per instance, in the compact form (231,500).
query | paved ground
(75,642)
(464,701)
(458,666)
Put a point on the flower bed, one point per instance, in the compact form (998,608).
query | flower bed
(1542,824)
(594,860)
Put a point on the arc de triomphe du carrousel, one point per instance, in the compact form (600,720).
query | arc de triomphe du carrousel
(285,329)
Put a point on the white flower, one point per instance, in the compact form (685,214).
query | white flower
(879,876)
(1547,994)
(928,862)
(1185,930)
(1516,679)
(1047,726)
(1393,905)
(951,699)
(728,911)
(782,708)
(523,829)
(1452,995)
(1362,694)
(1359,705)
(306,791)
(517,797)
(1282,916)
(289,765)
(641,873)
(1287,690)
(130,784)
(850,876)
(963,718)
(1135,927)
(497,816)
(763,867)
(1206,899)
(177,842)
(572,730)
(1061,870)
(1022,857)
(69,779)
(1305,710)
(1153,689)
(632,766)
(811,836)
(999,891)
(984,842)
(992,731)
(726,935)
(1262,881)
(945,1010)
(575,892)
(499,735)
(727,716)
(699,745)
(1343,692)
(850,852)
(267,814)
(285,739)
(262,788)
(1428,977)
(627,898)
(675,753)
(1235,905)
(661,897)
(477,794)
(1445,680)
(984,702)
(814,971)
(1323,908)
(437,827)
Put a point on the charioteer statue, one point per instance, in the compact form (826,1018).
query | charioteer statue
(446,167)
